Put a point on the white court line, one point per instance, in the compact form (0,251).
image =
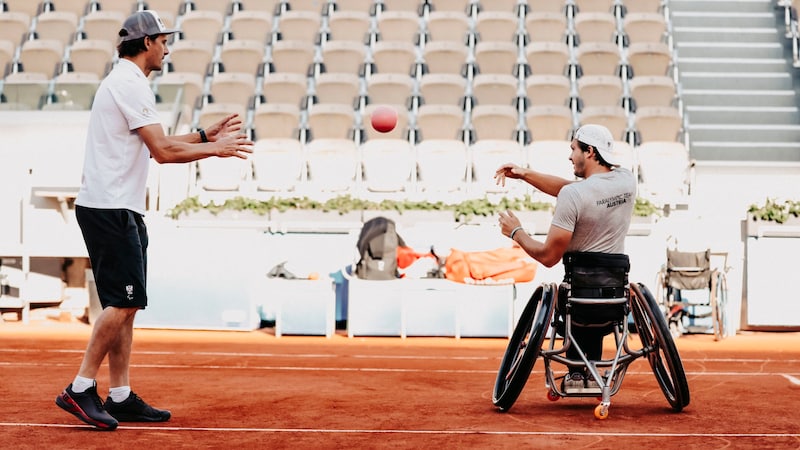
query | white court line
(427,432)
(793,380)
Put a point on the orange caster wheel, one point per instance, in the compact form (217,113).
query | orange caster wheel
(601,412)
(552,396)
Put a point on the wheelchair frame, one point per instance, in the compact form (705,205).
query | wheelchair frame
(528,338)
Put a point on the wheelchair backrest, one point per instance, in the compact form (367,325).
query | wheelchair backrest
(688,270)
(596,275)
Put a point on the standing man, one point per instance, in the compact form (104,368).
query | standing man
(124,132)
(591,215)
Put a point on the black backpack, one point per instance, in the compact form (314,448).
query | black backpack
(377,246)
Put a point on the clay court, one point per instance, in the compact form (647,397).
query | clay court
(253,390)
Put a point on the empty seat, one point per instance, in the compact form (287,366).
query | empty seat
(496,26)
(388,165)
(442,88)
(445,57)
(299,25)
(332,164)
(60,26)
(102,24)
(551,157)
(398,25)
(486,156)
(291,56)
(260,5)
(190,56)
(202,25)
(442,165)
(331,121)
(500,5)
(547,90)
(41,56)
(549,123)
(171,7)
(91,55)
(278,164)
(7,51)
(587,6)
(665,172)
(276,121)
(181,87)
(354,5)
(494,122)
(496,57)
(252,25)
(596,26)
(393,57)
(313,6)
(653,90)
(645,27)
(547,58)
(242,55)
(448,26)
(284,87)
(349,25)
(612,117)
(210,5)
(74,90)
(233,87)
(77,7)
(24,90)
(645,6)
(495,89)
(13,25)
(29,7)
(598,58)
(553,6)
(125,7)
(655,123)
(546,26)
(400,131)
(212,113)
(222,174)
(600,90)
(436,121)
(343,56)
(341,88)
(404,5)
(390,88)
(458,6)
(649,58)
(628,154)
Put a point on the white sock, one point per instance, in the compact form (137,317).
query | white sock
(120,393)
(81,384)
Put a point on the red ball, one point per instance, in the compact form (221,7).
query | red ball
(383,119)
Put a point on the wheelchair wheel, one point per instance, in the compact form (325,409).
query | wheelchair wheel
(718,306)
(659,346)
(524,347)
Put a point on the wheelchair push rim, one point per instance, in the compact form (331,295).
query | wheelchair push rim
(659,347)
(524,347)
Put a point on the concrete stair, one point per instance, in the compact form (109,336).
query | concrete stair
(738,87)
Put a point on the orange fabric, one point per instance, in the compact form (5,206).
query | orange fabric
(407,256)
(499,264)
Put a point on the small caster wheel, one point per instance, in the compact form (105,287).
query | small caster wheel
(552,396)
(601,412)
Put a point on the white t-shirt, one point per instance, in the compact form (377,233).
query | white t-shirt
(117,161)
(597,211)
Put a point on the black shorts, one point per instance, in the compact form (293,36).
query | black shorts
(116,240)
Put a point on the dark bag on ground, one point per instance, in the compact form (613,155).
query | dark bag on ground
(377,246)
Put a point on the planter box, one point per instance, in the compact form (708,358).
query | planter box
(642,226)
(763,228)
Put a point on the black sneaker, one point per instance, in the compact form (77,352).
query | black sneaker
(134,409)
(86,406)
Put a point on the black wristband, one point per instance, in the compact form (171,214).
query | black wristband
(203,137)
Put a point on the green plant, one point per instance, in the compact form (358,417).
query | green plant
(774,211)
(643,207)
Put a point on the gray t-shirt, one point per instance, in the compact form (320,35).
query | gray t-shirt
(597,211)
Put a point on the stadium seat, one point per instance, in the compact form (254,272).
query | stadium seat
(552,157)
(354,5)
(184,87)
(193,56)
(77,7)
(339,88)
(41,56)
(214,112)
(7,51)
(588,6)
(388,165)
(496,26)
(442,88)
(649,58)
(549,122)
(501,5)
(343,57)
(276,121)
(285,87)
(332,164)
(301,25)
(314,6)
(13,25)
(486,156)
(242,55)
(496,57)
(260,5)
(600,90)
(91,55)
(439,122)
(645,6)
(394,57)
(125,7)
(201,25)
(103,24)
(645,27)
(445,57)
(390,89)
(292,56)
(495,89)
(441,166)
(614,118)
(448,26)
(494,122)
(655,123)
(74,91)
(233,87)
(171,7)
(60,26)
(24,90)
(222,174)
(548,90)
(398,24)
(665,170)
(251,25)
(29,7)
(278,164)
(210,5)
(458,6)
(629,160)
(547,58)
(546,26)
(400,130)
(653,90)
(598,58)
(596,26)
(349,25)
(331,121)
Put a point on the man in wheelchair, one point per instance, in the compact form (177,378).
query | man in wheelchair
(588,230)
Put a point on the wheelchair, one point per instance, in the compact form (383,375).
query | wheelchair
(595,295)
(692,294)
